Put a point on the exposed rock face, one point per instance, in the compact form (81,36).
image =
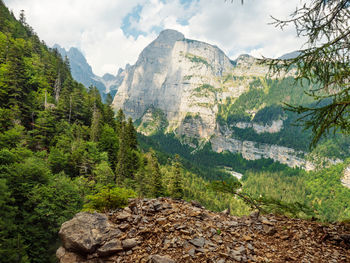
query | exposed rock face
(254,151)
(346,179)
(187,81)
(178,76)
(84,232)
(167,231)
(82,72)
(274,127)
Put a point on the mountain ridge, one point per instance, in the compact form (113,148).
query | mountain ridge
(194,86)
(83,73)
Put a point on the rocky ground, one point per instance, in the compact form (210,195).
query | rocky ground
(165,231)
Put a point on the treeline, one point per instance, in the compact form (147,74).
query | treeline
(263,103)
(279,188)
(62,149)
(320,191)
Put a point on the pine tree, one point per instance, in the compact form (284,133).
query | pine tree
(140,178)
(130,135)
(176,187)
(95,125)
(156,184)
(109,142)
(124,165)
(120,121)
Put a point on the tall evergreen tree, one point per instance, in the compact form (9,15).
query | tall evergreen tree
(120,121)
(130,135)
(109,142)
(124,165)
(155,176)
(176,187)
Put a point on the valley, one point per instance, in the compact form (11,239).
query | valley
(186,127)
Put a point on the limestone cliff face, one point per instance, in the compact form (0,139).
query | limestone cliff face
(188,82)
(254,151)
(179,76)
(274,127)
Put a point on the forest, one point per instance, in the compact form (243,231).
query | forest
(63,150)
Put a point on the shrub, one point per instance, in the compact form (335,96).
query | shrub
(108,199)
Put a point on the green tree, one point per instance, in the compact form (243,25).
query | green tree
(155,176)
(124,165)
(12,248)
(103,174)
(325,62)
(141,177)
(130,135)
(176,187)
(120,121)
(109,142)
(95,125)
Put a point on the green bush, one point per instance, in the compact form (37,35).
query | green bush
(108,199)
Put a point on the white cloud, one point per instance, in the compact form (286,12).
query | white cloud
(86,24)
(95,26)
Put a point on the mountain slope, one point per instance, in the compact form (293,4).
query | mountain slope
(82,72)
(192,89)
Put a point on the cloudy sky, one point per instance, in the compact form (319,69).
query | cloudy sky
(112,33)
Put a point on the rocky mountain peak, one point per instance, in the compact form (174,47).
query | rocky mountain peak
(169,35)
(244,60)
(167,231)
(108,77)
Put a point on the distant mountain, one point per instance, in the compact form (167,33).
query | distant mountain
(290,55)
(193,90)
(82,72)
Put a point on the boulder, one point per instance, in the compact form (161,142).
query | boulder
(65,256)
(85,232)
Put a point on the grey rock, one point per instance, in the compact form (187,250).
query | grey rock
(157,206)
(198,242)
(191,252)
(123,216)
(250,246)
(110,248)
(160,259)
(65,256)
(114,233)
(201,250)
(129,243)
(85,232)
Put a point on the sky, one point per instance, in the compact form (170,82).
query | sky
(112,33)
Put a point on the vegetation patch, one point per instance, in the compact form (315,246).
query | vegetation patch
(197,59)
(152,122)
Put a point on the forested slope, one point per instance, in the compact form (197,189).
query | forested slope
(58,143)
(63,150)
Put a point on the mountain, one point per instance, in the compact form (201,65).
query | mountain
(193,90)
(82,72)
(290,55)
